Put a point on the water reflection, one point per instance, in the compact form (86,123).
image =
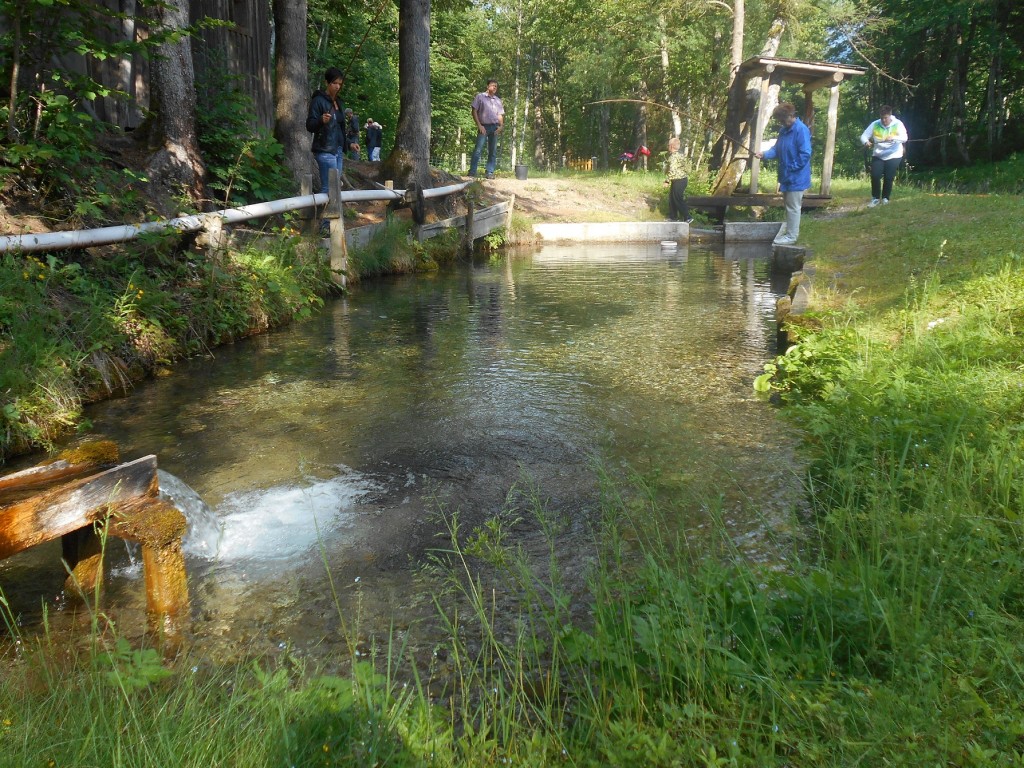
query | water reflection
(324,452)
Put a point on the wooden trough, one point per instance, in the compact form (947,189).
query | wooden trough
(85,495)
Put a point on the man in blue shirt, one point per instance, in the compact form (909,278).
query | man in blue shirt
(793,150)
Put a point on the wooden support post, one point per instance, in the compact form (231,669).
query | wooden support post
(336,215)
(167,604)
(830,140)
(508,218)
(124,499)
(307,215)
(158,527)
(757,135)
(82,551)
(467,235)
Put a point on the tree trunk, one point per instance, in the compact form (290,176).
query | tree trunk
(410,159)
(291,86)
(12,105)
(742,104)
(539,155)
(517,142)
(603,131)
(556,98)
(176,169)
(739,13)
(670,100)
(641,125)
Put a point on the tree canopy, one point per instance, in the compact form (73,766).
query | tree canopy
(580,79)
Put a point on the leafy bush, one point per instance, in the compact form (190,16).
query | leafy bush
(244,165)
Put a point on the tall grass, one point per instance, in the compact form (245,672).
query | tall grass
(74,326)
(891,633)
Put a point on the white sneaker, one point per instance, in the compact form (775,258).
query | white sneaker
(874,202)
(785,240)
(885,201)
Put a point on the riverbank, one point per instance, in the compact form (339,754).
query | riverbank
(81,326)
(893,636)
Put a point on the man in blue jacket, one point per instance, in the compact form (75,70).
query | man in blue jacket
(793,150)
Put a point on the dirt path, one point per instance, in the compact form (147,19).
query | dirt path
(551,199)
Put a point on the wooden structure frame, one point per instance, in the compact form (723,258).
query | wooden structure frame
(774,71)
(82,492)
(813,75)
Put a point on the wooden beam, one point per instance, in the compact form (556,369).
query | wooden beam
(760,200)
(824,82)
(76,462)
(78,504)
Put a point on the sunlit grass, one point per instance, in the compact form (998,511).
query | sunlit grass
(890,633)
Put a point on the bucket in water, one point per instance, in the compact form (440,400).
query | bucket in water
(521,172)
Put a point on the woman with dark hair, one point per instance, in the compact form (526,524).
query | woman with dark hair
(885,137)
(328,130)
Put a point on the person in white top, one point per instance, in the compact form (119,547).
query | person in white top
(885,137)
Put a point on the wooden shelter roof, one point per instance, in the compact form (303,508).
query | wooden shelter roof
(812,74)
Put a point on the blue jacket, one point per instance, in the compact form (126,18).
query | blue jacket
(793,149)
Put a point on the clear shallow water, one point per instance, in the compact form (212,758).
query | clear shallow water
(324,454)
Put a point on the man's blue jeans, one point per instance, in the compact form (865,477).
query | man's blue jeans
(325,161)
(491,137)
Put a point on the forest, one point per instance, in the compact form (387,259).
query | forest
(580,80)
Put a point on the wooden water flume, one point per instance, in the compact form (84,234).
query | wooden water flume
(84,496)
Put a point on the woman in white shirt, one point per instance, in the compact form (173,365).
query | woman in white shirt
(885,137)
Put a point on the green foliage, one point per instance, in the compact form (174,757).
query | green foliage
(359,39)
(132,669)
(52,147)
(71,328)
(244,165)
(391,250)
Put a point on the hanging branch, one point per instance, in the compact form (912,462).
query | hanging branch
(681,113)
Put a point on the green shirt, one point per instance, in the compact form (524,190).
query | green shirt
(676,166)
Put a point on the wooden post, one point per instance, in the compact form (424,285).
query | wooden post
(830,140)
(124,499)
(467,236)
(508,219)
(336,215)
(757,136)
(307,215)
(82,551)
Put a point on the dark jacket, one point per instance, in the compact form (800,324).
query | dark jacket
(374,136)
(352,130)
(328,138)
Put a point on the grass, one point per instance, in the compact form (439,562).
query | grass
(872,255)
(74,327)
(892,633)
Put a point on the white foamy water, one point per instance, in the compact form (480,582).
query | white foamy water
(269,524)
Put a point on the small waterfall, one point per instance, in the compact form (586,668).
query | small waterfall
(205,530)
(266,524)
